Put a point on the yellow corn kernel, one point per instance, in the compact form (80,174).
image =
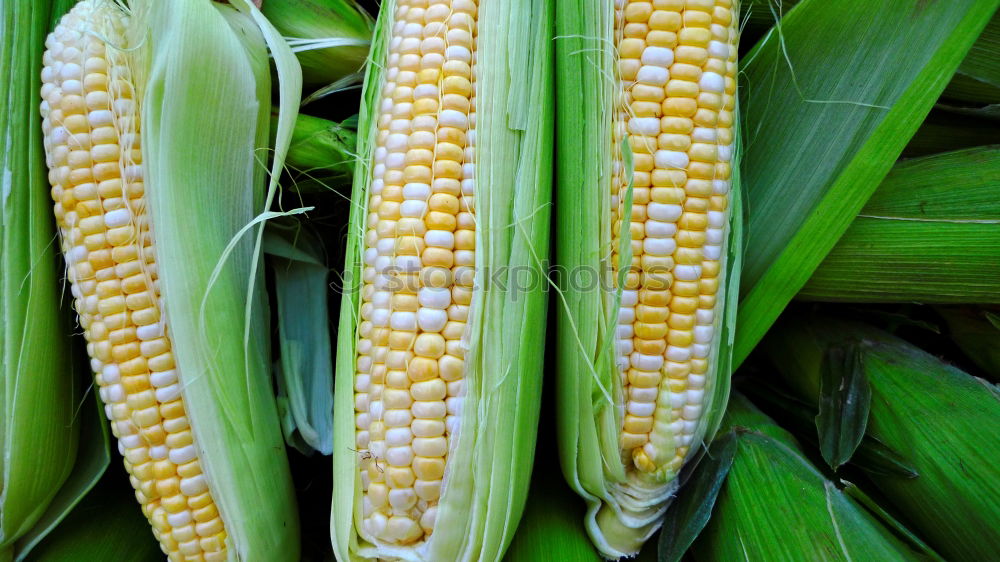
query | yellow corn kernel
(683,79)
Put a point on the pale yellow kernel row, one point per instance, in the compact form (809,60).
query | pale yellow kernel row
(418,268)
(676,64)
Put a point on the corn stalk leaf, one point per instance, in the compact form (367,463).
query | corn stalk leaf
(832,136)
(930,233)
(844,401)
(305,374)
(693,506)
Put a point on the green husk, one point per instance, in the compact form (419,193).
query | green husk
(868,72)
(551,522)
(490,458)
(93,455)
(321,156)
(966,89)
(981,63)
(931,233)
(870,455)
(976,331)
(693,507)
(205,129)
(624,508)
(762,15)
(92,460)
(105,525)
(305,365)
(932,413)
(775,505)
(38,390)
(330,37)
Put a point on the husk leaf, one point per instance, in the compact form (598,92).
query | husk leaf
(805,188)
(976,331)
(305,365)
(330,37)
(204,139)
(949,443)
(775,505)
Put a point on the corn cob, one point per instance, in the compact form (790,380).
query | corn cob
(102,68)
(668,166)
(92,137)
(410,355)
(418,361)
